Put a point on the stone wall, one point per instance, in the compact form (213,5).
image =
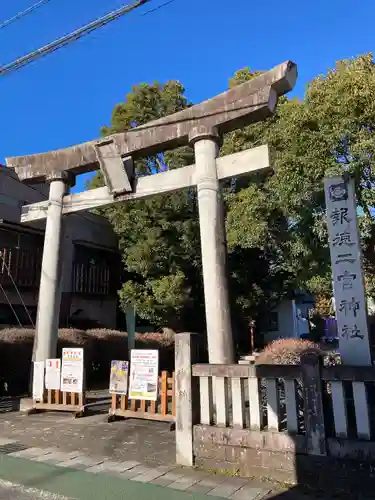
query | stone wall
(349,465)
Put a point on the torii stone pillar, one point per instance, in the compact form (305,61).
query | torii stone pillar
(206,143)
(47,323)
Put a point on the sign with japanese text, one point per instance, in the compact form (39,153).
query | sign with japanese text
(53,374)
(348,280)
(144,374)
(38,381)
(72,370)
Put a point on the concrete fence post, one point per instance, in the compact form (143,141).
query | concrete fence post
(313,400)
(187,396)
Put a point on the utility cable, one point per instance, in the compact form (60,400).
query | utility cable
(71,37)
(17,289)
(24,13)
(10,305)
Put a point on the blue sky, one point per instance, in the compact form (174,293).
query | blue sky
(66,97)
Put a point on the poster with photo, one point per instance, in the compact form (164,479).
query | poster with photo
(144,374)
(53,374)
(118,380)
(72,370)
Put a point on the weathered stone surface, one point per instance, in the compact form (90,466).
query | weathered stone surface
(246,371)
(250,102)
(248,469)
(276,441)
(5,441)
(29,453)
(187,399)
(80,462)
(247,493)
(225,490)
(313,398)
(234,165)
(352,449)
(183,483)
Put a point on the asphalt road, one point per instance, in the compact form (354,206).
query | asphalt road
(11,491)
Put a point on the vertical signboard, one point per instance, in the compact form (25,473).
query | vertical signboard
(144,374)
(346,260)
(118,381)
(53,374)
(38,381)
(72,370)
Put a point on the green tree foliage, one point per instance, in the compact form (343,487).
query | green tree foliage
(331,130)
(159,236)
(276,228)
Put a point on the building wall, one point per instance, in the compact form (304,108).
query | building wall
(83,229)
(302,315)
(286,323)
(103,310)
(292,320)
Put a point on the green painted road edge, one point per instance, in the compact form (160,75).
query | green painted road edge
(82,485)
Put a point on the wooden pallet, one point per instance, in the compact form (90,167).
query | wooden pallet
(73,402)
(162,410)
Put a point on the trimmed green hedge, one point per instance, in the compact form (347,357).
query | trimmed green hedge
(101,346)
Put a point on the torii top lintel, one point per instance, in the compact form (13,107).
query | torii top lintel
(247,103)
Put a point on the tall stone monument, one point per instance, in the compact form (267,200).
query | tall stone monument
(347,270)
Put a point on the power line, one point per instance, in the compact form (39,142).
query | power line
(17,289)
(71,37)
(25,12)
(10,305)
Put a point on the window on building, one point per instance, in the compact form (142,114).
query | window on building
(96,271)
(20,258)
(272,322)
(23,240)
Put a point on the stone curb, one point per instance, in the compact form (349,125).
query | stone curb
(174,477)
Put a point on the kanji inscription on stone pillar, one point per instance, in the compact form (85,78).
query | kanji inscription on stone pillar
(347,270)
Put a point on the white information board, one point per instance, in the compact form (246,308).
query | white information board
(38,381)
(144,374)
(72,370)
(53,374)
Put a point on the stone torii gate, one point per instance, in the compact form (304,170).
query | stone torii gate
(201,126)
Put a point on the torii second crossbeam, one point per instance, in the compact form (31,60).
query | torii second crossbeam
(238,164)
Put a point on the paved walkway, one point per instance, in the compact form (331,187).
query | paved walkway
(54,454)
(74,475)
(139,440)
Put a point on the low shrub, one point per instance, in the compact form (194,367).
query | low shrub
(101,347)
(286,352)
